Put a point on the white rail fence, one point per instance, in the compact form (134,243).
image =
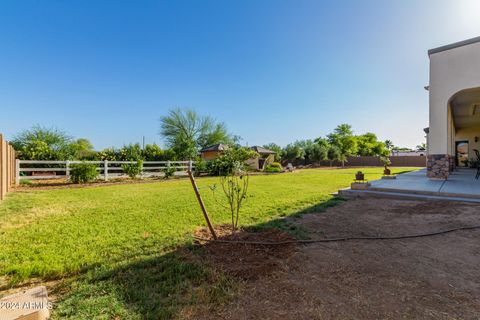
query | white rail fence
(43,169)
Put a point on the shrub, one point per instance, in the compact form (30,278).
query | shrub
(232,160)
(170,171)
(200,166)
(385,161)
(153,152)
(110,154)
(270,168)
(276,165)
(133,170)
(234,180)
(131,152)
(217,166)
(26,182)
(83,172)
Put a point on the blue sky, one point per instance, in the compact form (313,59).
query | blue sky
(273,71)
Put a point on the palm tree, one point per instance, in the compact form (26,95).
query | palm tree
(422,146)
(186,132)
(389,144)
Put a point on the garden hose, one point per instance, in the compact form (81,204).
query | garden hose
(339,239)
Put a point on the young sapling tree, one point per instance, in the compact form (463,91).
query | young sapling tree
(234,180)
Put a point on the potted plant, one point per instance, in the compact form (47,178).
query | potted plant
(359,176)
(386,162)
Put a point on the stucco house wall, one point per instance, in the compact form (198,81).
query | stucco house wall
(254,163)
(453,69)
(210,155)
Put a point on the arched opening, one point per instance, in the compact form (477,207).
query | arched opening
(464,127)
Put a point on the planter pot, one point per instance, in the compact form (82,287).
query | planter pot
(359,186)
(386,172)
(359,176)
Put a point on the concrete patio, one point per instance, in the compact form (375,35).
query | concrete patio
(460,186)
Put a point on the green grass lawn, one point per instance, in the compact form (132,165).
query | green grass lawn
(114,247)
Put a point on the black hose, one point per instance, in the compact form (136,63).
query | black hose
(340,239)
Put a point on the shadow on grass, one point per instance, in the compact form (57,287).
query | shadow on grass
(288,223)
(152,288)
(163,287)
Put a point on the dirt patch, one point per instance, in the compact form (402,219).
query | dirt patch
(245,261)
(424,278)
(64,184)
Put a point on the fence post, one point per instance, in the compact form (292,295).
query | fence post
(12,166)
(105,170)
(8,172)
(17,171)
(67,169)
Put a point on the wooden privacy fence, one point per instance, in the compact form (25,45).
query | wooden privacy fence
(43,169)
(7,167)
(366,161)
(397,161)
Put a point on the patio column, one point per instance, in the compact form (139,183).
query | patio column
(438,166)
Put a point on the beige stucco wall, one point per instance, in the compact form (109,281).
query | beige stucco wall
(210,155)
(451,71)
(253,163)
(270,159)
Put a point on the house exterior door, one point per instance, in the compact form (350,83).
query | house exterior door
(461,149)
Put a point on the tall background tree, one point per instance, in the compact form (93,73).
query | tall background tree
(82,149)
(318,150)
(294,151)
(342,137)
(368,145)
(43,143)
(186,132)
(333,154)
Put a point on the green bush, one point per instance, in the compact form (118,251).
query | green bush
(200,166)
(26,182)
(276,165)
(231,160)
(270,168)
(110,154)
(133,170)
(170,171)
(131,152)
(153,152)
(83,172)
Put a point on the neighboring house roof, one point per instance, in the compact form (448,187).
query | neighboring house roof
(216,147)
(454,45)
(223,147)
(262,150)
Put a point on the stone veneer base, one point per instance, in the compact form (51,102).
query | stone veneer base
(438,166)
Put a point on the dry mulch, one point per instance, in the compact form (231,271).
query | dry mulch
(245,261)
(64,184)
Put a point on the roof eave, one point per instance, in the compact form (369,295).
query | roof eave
(453,45)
